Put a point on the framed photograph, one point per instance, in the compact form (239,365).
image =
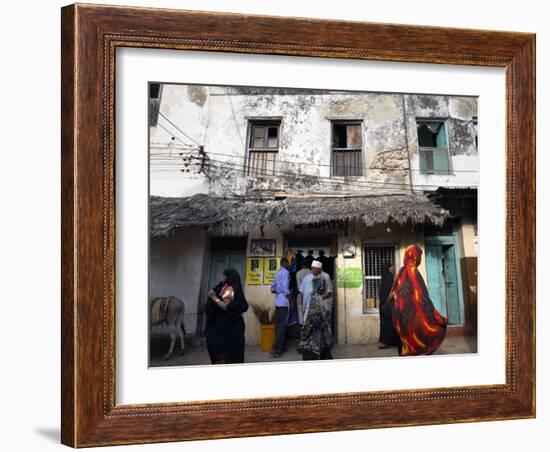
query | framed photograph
(348,249)
(258,247)
(245,197)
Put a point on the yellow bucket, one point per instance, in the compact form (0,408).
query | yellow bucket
(267,336)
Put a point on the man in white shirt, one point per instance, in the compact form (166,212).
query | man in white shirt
(305,289)
(327,298)
(302,273)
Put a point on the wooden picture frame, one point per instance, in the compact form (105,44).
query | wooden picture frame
(90,36)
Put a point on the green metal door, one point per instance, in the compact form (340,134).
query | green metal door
(435,281)
(220,260)
(451,284)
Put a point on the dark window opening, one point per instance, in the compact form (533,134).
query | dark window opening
(154,90)
(347,148)
(432,134)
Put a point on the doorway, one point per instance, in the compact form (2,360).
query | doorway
(443,280)
(308,247)
(226,252)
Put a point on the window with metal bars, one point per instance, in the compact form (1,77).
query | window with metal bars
(347,147)
(433,145)
(263,147)
(375,256)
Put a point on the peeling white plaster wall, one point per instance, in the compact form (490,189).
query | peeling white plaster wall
(217,118)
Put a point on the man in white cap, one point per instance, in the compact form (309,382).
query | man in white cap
(305,295)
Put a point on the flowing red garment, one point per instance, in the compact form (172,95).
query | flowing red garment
(420,326)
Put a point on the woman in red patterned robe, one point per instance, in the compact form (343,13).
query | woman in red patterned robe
(419,325)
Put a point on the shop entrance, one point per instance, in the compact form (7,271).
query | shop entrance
(306,249)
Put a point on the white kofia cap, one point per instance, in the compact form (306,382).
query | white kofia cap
(316,264)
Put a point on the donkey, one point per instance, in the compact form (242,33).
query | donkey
(169,322)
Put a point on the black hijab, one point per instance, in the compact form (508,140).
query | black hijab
(233,279)
(386,283)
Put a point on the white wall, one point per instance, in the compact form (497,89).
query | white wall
(176,265)
(30,390)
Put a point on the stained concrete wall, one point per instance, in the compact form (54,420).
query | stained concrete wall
(218,119)
(176,264)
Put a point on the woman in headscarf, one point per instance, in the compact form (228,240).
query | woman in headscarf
(224,321)
(388,336)
(315,335)
(421,328)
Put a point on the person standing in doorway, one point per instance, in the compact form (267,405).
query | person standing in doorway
(316,294)
(388,336)
(281,288)
(300,276)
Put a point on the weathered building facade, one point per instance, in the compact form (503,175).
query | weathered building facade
(353,177)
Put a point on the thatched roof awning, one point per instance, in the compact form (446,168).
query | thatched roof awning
(235,216)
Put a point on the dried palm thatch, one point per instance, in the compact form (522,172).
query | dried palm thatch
(264,314)
(238,216)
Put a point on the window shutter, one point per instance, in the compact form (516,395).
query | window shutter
(353,132)
(441,137)
(441,161)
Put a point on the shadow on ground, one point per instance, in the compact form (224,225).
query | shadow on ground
(198,355)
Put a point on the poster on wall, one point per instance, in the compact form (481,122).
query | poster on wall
(271,265)
(263,247)
(254,271)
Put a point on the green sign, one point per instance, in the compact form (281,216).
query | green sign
(350,278)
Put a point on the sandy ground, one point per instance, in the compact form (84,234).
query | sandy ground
(197,355)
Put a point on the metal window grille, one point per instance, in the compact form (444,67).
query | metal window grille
(263,148)
(375,256)
(347,159)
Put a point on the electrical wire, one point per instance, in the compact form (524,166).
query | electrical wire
(357,183)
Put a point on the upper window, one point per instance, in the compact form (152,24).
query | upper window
(263,146)
(155,90)
(347,146)
(433,147)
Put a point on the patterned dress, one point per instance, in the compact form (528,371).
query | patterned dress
(316,335)
(419,325)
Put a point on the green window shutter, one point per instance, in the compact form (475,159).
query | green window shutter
(441,161)
(441,137)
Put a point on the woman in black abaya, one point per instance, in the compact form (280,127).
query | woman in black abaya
(388,335)
(224,321)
